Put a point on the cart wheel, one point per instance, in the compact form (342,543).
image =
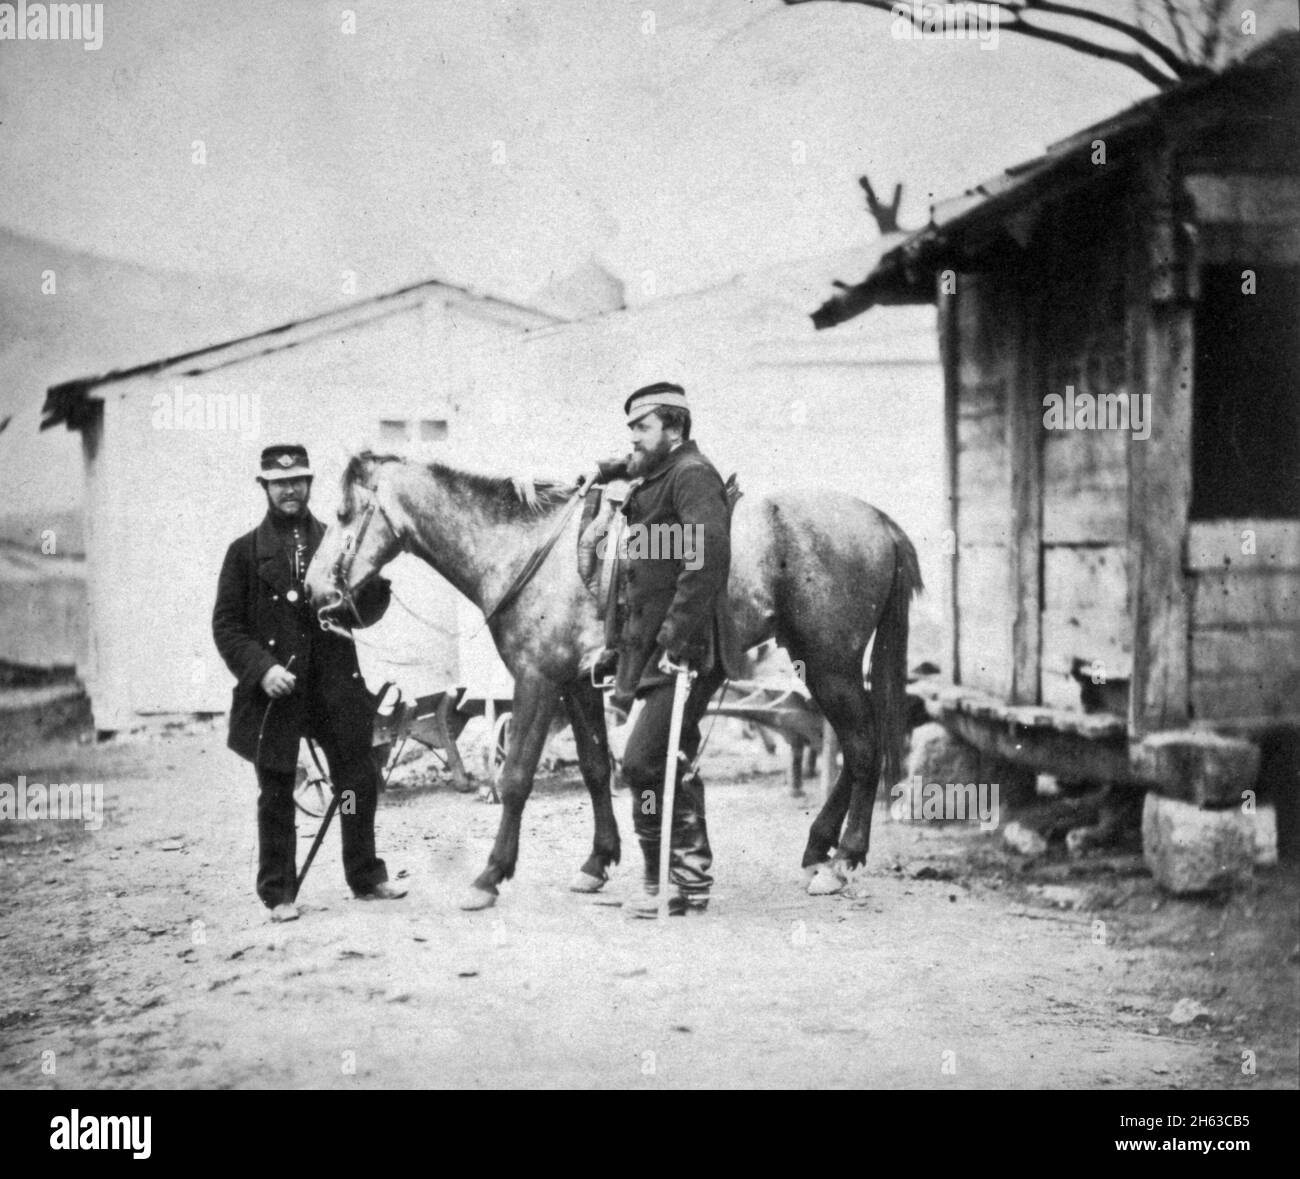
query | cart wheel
(500,743)
(311,796)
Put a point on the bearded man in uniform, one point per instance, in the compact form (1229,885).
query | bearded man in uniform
(294,680)
(674,572)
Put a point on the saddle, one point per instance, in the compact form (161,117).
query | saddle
(602,521)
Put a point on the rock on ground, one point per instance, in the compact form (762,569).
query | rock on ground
(1191,850)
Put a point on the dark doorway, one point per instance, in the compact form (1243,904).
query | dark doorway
(1246,400)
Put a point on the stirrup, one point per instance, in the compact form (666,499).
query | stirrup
(611,677)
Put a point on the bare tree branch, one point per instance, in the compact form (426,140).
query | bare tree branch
(1013,21)
(886,215)
(1175,15)
(1137,34)
(1134,61)
(1213,35)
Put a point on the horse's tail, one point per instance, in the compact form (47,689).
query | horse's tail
(889,656)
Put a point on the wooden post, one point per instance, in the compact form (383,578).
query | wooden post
(1025,450)
(951,360)
(1160,466)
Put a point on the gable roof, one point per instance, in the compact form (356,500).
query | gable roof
(69,403)
(961,226)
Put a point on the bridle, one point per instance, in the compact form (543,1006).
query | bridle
(348,552)
(348,555)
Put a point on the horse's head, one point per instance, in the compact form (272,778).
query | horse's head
(368,533)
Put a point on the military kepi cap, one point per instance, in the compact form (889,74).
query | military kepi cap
(285,462)
(648,397)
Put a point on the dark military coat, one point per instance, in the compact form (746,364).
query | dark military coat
(256,626)
(675,580)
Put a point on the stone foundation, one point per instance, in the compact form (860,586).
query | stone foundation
(1193,850)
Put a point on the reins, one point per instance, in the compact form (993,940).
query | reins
(339,574)
(346,557)
(539,554)
(348,554)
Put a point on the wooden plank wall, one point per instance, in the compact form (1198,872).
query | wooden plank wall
(1081,342)
(1245,621)
(986,608)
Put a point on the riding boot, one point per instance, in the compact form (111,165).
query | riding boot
(691,855)
(650,853)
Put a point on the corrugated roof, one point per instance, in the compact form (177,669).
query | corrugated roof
(69,403)
(904,273)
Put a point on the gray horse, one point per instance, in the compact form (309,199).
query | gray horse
(820,572)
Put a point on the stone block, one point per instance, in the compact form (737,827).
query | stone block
(1193,850)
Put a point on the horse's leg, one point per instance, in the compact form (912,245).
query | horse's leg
(534,704)
(442,725)
(862,749)
(796,765)
(867,752)
(845,703)
(586,708)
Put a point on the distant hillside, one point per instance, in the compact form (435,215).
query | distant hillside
(26,529)
(102,314)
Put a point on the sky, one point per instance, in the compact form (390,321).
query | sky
(500,143)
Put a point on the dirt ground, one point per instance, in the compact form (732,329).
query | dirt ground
(137,956)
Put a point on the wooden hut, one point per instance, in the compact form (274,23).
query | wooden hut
(1119,323)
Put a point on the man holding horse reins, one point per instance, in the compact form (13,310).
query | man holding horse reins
(296,680)
(675,556)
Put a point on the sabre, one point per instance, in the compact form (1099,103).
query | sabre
(682,677)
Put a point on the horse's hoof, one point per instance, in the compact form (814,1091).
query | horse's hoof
(478,898)
(824,881)
(584,882)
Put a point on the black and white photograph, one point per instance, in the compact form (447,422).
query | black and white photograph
(717,545)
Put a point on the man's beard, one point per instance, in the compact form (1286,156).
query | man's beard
(300,513)
(646,462)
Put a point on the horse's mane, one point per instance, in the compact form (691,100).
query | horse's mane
(508,496)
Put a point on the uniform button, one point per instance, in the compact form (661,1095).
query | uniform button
(270,643)
(275,597)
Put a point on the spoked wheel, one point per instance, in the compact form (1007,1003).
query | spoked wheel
(311,795)
(500,743)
